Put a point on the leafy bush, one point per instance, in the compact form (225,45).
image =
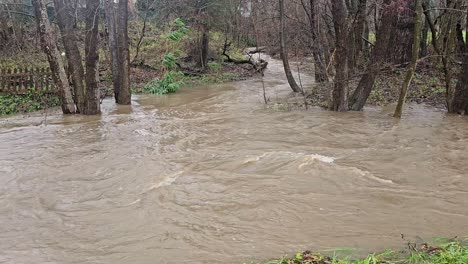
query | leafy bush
(170,83)
(180,32)
(170,61)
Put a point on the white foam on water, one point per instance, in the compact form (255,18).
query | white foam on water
(368,175)
(165,182)
(307,158)
(143,132)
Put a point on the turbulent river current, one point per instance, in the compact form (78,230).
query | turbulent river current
(211,175)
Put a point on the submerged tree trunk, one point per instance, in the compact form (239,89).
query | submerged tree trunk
(339,101)
(118,45)
(460,98)
(284,51)
(86,89)
(125,94)
(111,23)
(366,84)
(49,46)
(414,61)
(92,104)
(66,24)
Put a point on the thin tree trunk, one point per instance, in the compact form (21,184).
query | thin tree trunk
(414,61)
(284,51)
(356,45)
(113,48)
(446,69)
(318,51)
(425,31)
(460,99)
(64,13)
(339,101)
(142,34)
(49,46)
(92,104)
(204,47)
(366,84)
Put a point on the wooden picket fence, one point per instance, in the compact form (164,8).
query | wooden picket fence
(21,80)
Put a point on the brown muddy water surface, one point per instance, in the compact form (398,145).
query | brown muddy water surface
(209,175)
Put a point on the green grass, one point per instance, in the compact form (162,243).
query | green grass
(455,252)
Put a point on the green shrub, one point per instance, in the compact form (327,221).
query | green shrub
(170,83)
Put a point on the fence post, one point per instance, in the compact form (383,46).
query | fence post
(22,80)
(15,79)
(2,79)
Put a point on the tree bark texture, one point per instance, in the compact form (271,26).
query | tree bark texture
(92,103)
(418,23)
(49,46)
(460,98)
(378,57)
(317,45)
(66,22)
(356,43)
(339,100)
(117,25)
(284,51)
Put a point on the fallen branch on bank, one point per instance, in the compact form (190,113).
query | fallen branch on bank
(259,66)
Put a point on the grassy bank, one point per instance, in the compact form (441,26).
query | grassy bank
(454,252)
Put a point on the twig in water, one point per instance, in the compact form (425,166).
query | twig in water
(302,88)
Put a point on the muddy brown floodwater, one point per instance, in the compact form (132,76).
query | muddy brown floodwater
(209,175)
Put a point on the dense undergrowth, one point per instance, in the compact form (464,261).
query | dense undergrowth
(455,252)
(30,102)
(176,67)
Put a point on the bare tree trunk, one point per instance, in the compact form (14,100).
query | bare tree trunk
(401,40)
(318,51)
(204,47)
(425,32)
(142,33)
(366,84)
(460,98)
(124,94)
(117,25)
(414,61)
(284,51)
(445,64)
(114,53)
(355,36)
(66,24)
(92,104)
(53,56)
(339,100)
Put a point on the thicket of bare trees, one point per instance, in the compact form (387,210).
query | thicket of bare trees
(362,37)
(346,39)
